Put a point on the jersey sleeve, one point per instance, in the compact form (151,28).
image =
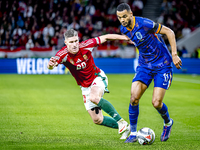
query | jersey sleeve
(61,55)
(151,27)
(90,44)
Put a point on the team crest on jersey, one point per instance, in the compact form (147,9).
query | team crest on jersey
(71,61)
(138,35)
(85,57)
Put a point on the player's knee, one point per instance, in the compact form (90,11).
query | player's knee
(134,100)
(97,120)
(157,103)
(95,99)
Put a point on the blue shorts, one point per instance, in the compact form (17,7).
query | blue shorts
(162,76)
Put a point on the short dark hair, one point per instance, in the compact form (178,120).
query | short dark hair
(123,6)
(70,33)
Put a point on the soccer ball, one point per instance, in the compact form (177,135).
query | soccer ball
(145,136)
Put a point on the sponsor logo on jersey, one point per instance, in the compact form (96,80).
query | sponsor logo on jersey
(78,61)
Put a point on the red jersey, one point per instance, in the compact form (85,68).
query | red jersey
(81,65)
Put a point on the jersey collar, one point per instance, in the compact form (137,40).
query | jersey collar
(133,24)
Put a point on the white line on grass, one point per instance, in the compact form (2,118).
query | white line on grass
(186,80)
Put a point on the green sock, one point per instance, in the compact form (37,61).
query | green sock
(109,122)
(109,109)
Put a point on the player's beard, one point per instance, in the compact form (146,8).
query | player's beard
(129,23)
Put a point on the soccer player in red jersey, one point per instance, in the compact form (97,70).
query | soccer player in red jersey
(77,57)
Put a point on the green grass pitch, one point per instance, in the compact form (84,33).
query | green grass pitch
(47,112)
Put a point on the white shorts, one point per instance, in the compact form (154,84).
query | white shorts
(98,81)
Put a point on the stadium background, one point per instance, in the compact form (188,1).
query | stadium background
(47,112)
(34,29)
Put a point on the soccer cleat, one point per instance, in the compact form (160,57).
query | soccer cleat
(166,132)
(123,125)
(131,139)
(126,133)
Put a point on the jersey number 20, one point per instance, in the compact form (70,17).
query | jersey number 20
(81,66)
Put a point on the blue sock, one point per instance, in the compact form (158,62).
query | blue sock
(133,116)
(164,113)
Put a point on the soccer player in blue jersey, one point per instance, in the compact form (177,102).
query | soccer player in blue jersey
(154,63)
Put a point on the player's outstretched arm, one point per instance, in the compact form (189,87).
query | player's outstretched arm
(172,41)
(52,63)
(108,37)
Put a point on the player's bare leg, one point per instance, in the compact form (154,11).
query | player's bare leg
(157,101)
(96,115)
(116,121)
(96,94)
(137,90)
(158,95)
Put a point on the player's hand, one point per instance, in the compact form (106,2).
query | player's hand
(129,40)
(52,62)
(177,61)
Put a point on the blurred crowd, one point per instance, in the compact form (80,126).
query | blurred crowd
(41,23)
(182,16)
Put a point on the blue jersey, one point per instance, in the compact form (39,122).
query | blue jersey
(153,52)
